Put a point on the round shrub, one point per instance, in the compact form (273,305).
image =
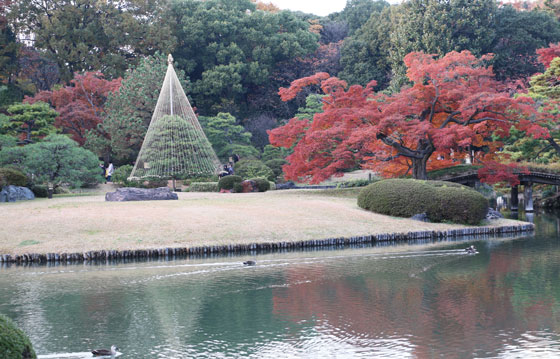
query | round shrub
(457,205)
(396,197)
(228,182)
(40,191)
(441,201)
(12,176)
(14,344)
(250,168)
(262,184)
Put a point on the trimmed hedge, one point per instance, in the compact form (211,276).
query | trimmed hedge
(458,205)
(14,344)
(441,201)
(203,187)
(228,182)
(11,176)
(262,183)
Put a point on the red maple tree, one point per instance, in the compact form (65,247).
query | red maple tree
(455,108)
(81,104)
(547,54)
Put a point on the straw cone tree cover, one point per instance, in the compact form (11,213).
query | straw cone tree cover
(175,145)
(455,106)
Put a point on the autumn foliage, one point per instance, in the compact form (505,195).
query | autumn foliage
(455,108)
(81,104)
(495,172)
(547,54)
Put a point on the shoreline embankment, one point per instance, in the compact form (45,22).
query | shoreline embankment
(183,252)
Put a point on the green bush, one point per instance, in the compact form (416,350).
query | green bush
(457,205)
(11,176)
(276,166)
(228,182)
(188,181)
(237,187)
(251,168)
(40,191)
(121,174)
(355,183)
(262,184)
(441,201)
(14,344)
(203,187)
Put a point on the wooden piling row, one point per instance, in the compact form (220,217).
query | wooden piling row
(170,253)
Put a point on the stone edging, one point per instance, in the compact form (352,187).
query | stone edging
(186,251)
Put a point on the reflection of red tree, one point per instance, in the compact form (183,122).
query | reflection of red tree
(462,314)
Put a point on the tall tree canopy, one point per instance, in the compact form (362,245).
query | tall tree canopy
(228,48)
(81,104)
(8,45)
(91,35)
(357,12)
(129,110)
(454,107)
(441,26)
(365,56)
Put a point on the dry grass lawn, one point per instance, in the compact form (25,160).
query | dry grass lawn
(76,224)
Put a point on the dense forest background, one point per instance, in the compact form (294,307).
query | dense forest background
(100,64)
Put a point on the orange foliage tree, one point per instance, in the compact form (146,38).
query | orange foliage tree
(81,104)
(547,54)
(454,108)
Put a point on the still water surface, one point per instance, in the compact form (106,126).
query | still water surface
(421,301)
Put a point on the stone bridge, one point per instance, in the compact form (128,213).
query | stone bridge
(470,178)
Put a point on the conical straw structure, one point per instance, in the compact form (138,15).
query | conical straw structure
(175,145)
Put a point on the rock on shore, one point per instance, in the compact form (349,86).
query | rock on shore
(140,194)
(16,193)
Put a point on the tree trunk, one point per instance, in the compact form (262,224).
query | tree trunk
(419,170)
(554,144)
(419,165)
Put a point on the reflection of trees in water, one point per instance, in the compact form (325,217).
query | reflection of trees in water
(460,307)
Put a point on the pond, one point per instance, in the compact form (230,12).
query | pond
(408,300)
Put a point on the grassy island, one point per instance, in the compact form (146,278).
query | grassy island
(88,223)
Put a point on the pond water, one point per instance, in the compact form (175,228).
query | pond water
(425,300)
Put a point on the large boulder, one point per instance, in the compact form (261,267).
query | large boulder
(140,194)
(493,214)
(16,193)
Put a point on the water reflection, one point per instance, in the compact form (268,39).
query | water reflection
(425,300)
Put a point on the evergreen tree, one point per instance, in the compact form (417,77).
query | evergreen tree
(227,137)
(59,160)
(228,49)
(129,111)
(30,121)
(91,35)
(174,149)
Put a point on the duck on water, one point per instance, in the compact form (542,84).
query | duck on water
(471,250)
(105,352)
